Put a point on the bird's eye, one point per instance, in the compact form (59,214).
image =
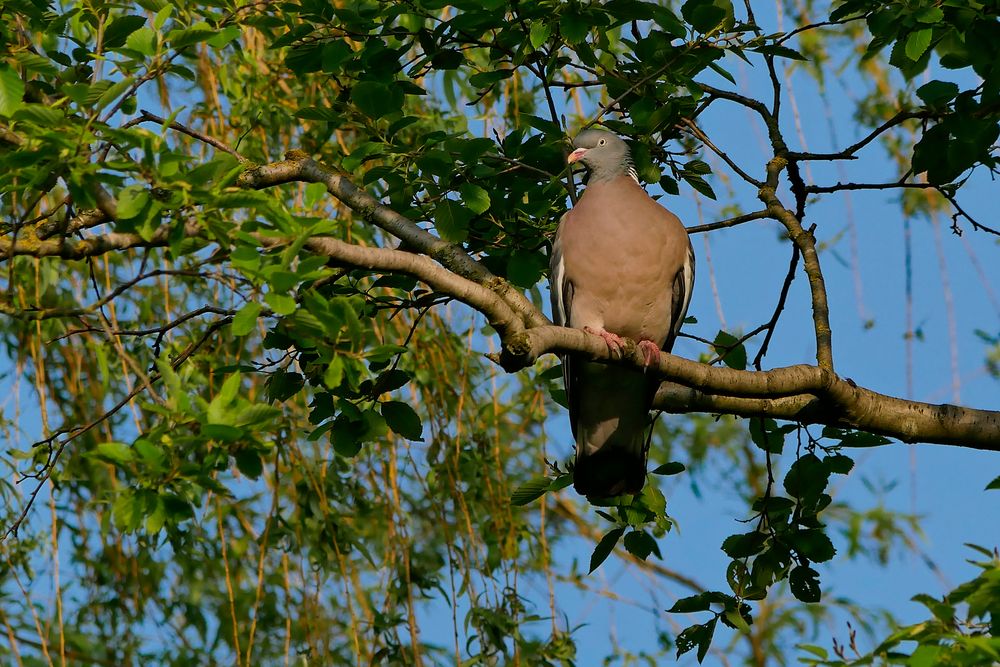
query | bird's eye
(602,142)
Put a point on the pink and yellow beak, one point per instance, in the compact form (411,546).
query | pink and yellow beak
(576,155)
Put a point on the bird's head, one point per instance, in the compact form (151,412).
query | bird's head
(605,155)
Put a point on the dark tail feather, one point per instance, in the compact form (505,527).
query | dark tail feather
(609,409)
(610,472)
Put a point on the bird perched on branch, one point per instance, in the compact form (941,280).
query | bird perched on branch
(622,266)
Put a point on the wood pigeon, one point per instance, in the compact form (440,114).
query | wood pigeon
(622,266)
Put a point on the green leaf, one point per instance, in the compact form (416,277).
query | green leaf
(476,198)
(131,201)
(917,43)
(780,51)
(543,125)
(127,511)
(807,477)
(334,373)
(402,419)
(561,482)
(994,485)
(737,576)
(812,543)
(732,617)
(487,79)
(605,547)
(532,489)
(120,28)
(114,452)
(942,611)
(222,432)
(11,90)
(152,455)
(142,40)
(346,435)
(804,582)
(640,544)
(39,114)
(838,463)
(246,319)
(574,27)
(707,15)
(376,99)
(937,93)
(766,435)
(735,354)
(34,63)
(525,269)
(156,519)
(539,33)
(390,380)
(700,185)
(230,388)
(281,304)
(199,32)
(854,438)
(452,221)
(671,468)
(257,414)
(315,193)
(249,463)
(930,15)
(817,651)
(696,636)
(692,604)
(745,545)
(162,15)
(283,385)
(224,36)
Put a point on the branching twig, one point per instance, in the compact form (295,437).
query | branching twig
(145,116)
(779,308)
(299,167)
(703,138)
(731,222)
(807,246)
(839,187)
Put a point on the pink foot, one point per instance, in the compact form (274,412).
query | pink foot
(650,352)
(614,341)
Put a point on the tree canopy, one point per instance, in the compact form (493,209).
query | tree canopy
(282,389)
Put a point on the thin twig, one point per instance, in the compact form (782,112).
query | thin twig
(183,129)
(779,308)
(43,476)
(701,136)
(731,222)
(839,187)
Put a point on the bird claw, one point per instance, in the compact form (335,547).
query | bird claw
(615,342)
(650,352)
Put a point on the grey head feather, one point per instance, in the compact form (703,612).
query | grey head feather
(606,155)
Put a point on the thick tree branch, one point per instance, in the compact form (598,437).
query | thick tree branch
(299,167)
(806,394)
(90,247)
(500,314)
